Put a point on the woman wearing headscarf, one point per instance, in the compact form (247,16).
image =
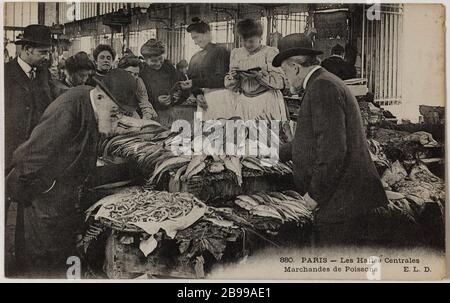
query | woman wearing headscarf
(161,80)
(207,71)
(131,64)
(77,70)
(259,90)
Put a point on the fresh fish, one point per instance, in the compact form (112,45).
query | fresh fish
(171,163)
(266,211)
(248,199)
(216,167)
(233,164)
(251,165)
(194,163)
(293,194)
(195,171)
(279,195)
(259,199)
(244,204)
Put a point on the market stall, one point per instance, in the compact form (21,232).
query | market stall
(183,214)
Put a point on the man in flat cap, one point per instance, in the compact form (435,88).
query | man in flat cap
(27,87)
(54,162)
(337,65)
(332,164)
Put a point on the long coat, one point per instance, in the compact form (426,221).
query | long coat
(25,102)
(330,153)
(48,170)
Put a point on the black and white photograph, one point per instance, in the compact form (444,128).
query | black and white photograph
(224,141)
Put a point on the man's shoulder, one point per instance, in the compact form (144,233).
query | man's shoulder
(326,83)
(70,100)
(220,49)
(327,78)
(11,67)
(59,84)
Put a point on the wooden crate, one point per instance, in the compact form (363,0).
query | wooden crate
(126,261)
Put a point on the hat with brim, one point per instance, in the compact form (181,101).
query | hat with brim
(294,45)
(35,34)
(121,87)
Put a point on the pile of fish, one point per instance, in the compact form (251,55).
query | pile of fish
(396,145)
(146,148)
(144,206)
(414,190)
(287,206)
(152,151)
(377,154)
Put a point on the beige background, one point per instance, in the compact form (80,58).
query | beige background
(423,56)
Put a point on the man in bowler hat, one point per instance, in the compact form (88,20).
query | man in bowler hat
(54,162)
(332,164)
(27,87)
(27,95)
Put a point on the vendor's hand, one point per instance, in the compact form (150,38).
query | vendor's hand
(233,74)
(153,115)
(186,84)
(231,81)
(176,95)
(201,101)
(165,100)
(312,204)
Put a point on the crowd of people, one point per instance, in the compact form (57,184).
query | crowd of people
(52,126)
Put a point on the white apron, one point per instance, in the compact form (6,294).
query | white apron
(268,104)
(221,104)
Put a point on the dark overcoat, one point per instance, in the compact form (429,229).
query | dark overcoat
(48,170)
(25,102)
(330,153)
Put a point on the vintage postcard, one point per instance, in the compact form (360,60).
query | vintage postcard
(224,141)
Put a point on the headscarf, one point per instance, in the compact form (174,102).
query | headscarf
(153,48)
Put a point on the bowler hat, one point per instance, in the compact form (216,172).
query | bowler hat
(294,45)
(36,34)
(121,87)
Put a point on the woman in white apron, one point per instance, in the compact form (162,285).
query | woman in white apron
(259,91)
(207,71)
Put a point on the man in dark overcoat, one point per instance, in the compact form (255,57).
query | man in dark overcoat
(27,87)
(332,164)
(337,65)
(49,168)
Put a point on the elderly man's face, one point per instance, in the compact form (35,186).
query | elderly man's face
(294,74)
(107,112)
